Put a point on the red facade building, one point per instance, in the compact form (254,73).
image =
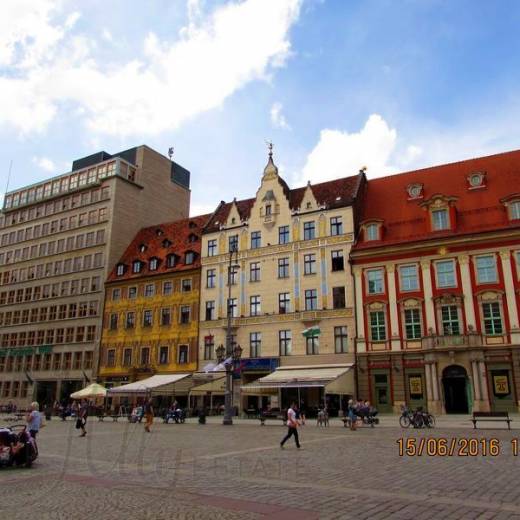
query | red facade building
(437,276)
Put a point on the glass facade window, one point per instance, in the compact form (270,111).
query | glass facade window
(486,269)
(309,231)
(440,219)
(445,273)
(283,235)
(450,320)
(412,323)
(409,278)
(340,340)
(375,281)
(492,318)
(377,326)
(256,239)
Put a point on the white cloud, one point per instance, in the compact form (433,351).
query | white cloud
(277,118)
(340,154)
(217,54)
(44,163)
(202,209)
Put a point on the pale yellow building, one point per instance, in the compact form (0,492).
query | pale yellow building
(292,273)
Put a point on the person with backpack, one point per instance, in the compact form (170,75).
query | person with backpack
(292,425)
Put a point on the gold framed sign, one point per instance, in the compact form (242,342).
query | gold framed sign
(501,384)
(415,385)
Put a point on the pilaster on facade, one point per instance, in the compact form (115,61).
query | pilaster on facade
(469,307)
(360,323)
(431,326)
(395,340)
(512,311)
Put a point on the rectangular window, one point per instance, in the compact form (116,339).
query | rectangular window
(338,263)
(254,272)
(210,278)
(147,318)
(127,357)
(412,323)
(232,275)
(113,321)
(377,326)
(492,318)
(183,354)
(210,310)
(166,316)
(340,340)
(371,232)
(375,281)
(145,355)
(212,247)
(132,292)
(409,278)
(440,219)
(255,344)
(283,268)
(338,297)
(111,358)
(309,231)
(311,299)
(445,270)
(167,288)
(163,355)
(185,314)
(186,285)
(149,290)
(130,320)
(309,264)
(486,269)
(283,234)
(312,345)
(232,307)
(336,226)
(284,303)
(116,294)
(209,347)
(233,243)
(285,342)
(450,320)
(254,305)
(256,239)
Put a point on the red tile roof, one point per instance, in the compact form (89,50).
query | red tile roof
(477,210)
(332,194)
(159,242)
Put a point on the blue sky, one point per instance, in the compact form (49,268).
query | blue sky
(336,85)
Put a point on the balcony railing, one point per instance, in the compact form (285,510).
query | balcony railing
(455,340)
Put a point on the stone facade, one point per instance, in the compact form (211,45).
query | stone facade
(59,240)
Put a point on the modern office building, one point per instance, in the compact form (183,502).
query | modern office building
(437,277)
(278,263)
(151,314)
(59,239)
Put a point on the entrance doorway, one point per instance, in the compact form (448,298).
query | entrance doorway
(455,385)
(46,393)
(381,397)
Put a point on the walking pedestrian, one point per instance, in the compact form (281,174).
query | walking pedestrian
(34,420)
(148,413)
(292,425)
(352,415)
(82,418)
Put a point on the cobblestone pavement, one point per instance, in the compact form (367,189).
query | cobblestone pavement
(212,471)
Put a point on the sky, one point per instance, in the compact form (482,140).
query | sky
(393,85)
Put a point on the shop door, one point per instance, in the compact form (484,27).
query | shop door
(415,390)
(502,395)
(454,382)
(381,392)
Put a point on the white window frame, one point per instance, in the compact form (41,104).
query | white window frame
(439,211)
(514,211)
(371,232)
(437,284)
(367,274)
(401,278)
(481,281)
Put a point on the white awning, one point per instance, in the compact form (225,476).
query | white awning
(335,379)
(167,384)
(217,386)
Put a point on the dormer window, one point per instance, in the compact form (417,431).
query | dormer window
(142,248)
(166,243)
(120,270)
(415,191)
(192,238)
(154,263)
(136,266)
(189,258)
(192,225)
(371,232)
(476,180)
(440,219)
(268,210)
(158,232)
(514,209)
(170,261)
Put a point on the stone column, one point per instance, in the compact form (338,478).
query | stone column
(429,386)
(476,380)
(483,385)
(512,311)
(428,296)
(435,382)
(360,323)
(392,308)
(469,307)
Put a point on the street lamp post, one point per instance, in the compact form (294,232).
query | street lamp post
(229,352)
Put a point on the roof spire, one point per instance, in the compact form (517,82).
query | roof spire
(270,168)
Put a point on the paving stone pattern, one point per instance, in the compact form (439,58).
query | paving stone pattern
(211,471)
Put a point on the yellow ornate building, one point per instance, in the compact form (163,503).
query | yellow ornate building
(151,305)
(289,290)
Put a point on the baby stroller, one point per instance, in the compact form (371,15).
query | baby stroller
(368,415)
(17,447)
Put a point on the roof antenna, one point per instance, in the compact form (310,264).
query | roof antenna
(170,152)
(269,147)
(8,177)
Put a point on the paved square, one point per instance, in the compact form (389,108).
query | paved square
(211,471)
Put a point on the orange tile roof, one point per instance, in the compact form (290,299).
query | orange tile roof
(159,242)
(477,210)
(332,194)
